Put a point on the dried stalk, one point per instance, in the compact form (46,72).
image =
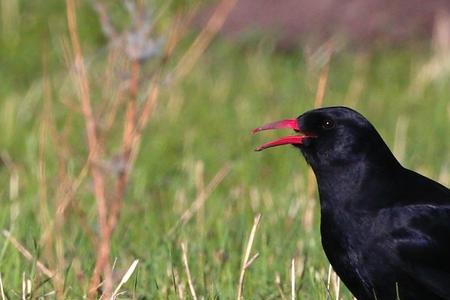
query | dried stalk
(204,38)
(125,278)
(247,261)
(102,262)
(201,198)
(2,291)
(321,85)
(40,266)
(127,146)
(279,286)
(293,279)
(188,272)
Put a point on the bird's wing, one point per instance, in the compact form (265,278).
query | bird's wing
(420,238)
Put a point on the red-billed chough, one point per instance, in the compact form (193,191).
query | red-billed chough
(385,229)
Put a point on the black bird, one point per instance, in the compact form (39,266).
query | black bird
(385,229)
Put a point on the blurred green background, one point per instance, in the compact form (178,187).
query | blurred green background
(201,123)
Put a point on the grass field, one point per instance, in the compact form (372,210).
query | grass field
(200,130)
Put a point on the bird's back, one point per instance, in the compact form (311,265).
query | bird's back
(418,189)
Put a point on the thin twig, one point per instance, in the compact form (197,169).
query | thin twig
(41,267)
(127,146)
(188,272)
(251,260)
(279,286)
(204,38)
(293,279)
(321,85)
(105,22)
(24,287)
(202,197)
(2,291)
(337,286)
(102,261)
(125,278)
(246,259)
(148,107)
(134,126)
(330,271)
(51,237)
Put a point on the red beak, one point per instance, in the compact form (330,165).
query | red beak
(293,139)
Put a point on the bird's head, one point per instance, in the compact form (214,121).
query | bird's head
(332,136)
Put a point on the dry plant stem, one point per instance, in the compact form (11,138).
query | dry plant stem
(293,279)
(330,271)
(321,86)
(2,291)
(251,260)
(246,262)
(125,278)
(102,262)
(133,128)
(176,32)
(148,108)
(127,144)
(279,287)
(337,286)
(144,117)
(130,144)
(201,197)
(24,287)
(130,118)
(204,38)
(132,136)
(107,27)
(52,238)
(50,235)
(188,272)
(40,266)
(44,217)
(113,101)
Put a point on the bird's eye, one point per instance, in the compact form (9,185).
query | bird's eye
(327,124)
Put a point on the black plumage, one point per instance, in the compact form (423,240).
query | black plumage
(385,229)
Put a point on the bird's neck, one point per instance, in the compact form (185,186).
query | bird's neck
(353,185)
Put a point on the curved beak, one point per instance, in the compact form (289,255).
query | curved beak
(292,139)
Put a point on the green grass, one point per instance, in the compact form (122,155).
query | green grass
(204,123)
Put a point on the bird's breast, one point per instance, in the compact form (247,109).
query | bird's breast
(343,249)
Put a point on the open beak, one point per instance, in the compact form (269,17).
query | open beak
(292,139)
